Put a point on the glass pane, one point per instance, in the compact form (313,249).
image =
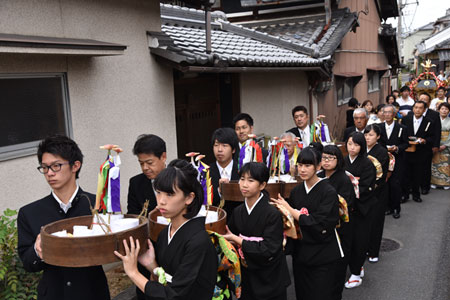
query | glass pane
(348,88)
(32,109)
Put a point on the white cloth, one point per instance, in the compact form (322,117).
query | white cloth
(225,172)
(435,103)
(65,207)
(417,123)
(352,160)
(309,189)
(389,129)
(249,210)
(305,134)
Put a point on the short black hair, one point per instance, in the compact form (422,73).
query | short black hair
(316,146)
(446,104)
(373,127)
(420,102)
(335,151)
(256,170)
(395,91)
(440,88)
(353,102)
(181,175)
(389,96)
(309,156)
(396,104)
(358,138)
(243,116)
(149,144)
(426,94)
(380,107)
(299,108)
(63,146)
(405,88)
(225,136)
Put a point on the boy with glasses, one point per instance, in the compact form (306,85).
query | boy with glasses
(60,161)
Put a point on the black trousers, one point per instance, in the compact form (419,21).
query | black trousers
(346,235)
(426,179)
(360,241)
(377,223)
(314,282)
(394,186)
(416,168)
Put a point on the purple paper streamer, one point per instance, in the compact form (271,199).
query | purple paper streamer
(322,133)
(241,157)
(203,183)
(115,190)
(287,165)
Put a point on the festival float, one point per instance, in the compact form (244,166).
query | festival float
(91,240)
(215,217)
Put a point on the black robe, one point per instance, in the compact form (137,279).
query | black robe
(192,261)
(267,274)
(58,283)
(215,177)
(319,244)
(140,190)
(363,168)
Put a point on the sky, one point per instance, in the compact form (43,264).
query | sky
(416,16)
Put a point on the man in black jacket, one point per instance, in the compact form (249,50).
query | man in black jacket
(151,153)
(420,127)
(60,161)
(361,117)
(150,150)
(224,169)
(302,129)
(394,137)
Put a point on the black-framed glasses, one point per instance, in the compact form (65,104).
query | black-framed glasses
(328,158)
(55,167)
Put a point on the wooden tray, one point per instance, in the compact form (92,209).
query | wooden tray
(218,226)
(87,251)
(412,146)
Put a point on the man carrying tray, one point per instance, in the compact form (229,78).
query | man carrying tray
(60,161)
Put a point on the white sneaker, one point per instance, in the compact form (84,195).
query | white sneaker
(372,260)
(433,186)
(362,272)
(446,188)
(353,281)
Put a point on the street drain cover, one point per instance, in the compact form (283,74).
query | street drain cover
(388,245)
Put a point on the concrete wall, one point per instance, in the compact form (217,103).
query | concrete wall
(134,91)
(270,97)
(410,42)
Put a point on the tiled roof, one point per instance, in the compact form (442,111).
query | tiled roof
(307,31)
(182,40)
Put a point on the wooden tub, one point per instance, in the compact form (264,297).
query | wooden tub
(218,226)
(87,251)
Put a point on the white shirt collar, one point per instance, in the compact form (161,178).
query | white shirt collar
(65,207)
(389,126)
(228,169)
(419,119)
(352,160)
(249,210)
(309,189)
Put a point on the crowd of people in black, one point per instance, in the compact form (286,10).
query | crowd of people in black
(339,205)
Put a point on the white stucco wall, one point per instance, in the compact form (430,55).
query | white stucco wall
(270,97)
(132,89)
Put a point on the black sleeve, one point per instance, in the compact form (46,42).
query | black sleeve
(404,142)
(258,254)
(437,132)
(25,246)
(133,205)
(430,134)
(384,161)
(324,219)
(367,180)
(187,272)
(346,190)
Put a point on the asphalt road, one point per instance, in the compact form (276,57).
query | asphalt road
(420,268)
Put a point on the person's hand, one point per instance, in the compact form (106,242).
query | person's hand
(222,180)
(393,149)
(442,148)
(435,150)
(148,258)
(404,114)
(280,201)
(131,256)
(37,246)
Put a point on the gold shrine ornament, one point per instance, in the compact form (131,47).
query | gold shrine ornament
(426,83)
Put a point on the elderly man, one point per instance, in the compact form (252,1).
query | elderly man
(360,116)
(290,143)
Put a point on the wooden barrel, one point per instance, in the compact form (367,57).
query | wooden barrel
(218,226)
(87,251)
(231,192)
(287,189)
(341,146)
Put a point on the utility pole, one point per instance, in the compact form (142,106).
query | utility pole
(400,29)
